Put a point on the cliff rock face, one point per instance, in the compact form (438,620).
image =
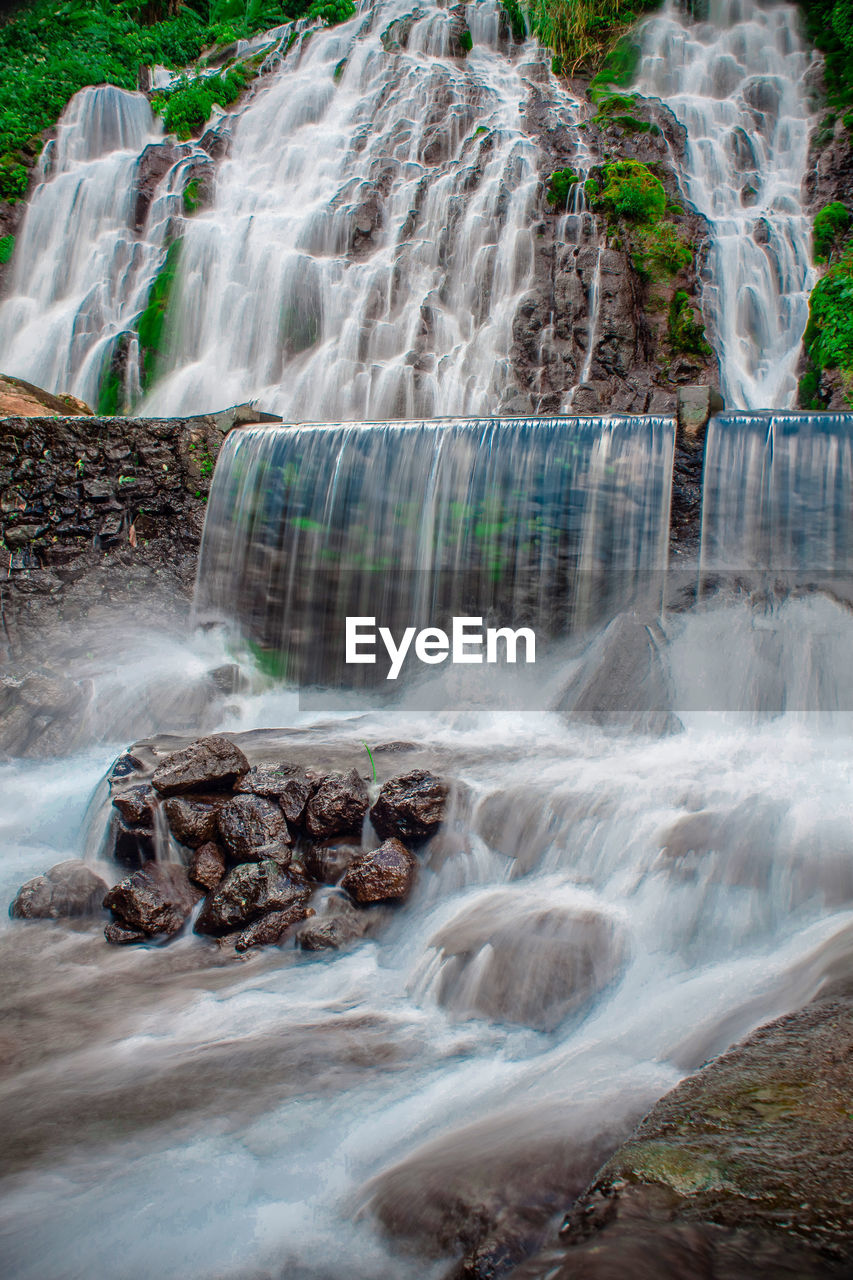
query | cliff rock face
(592,291)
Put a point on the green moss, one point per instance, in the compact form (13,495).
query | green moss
(632,191)
(560,184)
(466,40)
(828,338)
(831,225)
(685,333)
(619,66)
(685,1170)
(151,324)
(7,248)
(659,252)
(192,199)
(340,69)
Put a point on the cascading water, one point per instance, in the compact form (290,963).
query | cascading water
(546,523)
(736,81)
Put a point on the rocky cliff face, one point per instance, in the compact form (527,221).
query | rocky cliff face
(635,367)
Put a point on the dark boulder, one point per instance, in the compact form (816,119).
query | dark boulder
(136,805)
(338,805)
(336,927)
(410,807)
(122,934)
(211,763)
(68,889)
(248,891)
(327,860)
(382,875)
(271,928)
(154,900)
(285,783)
(207,865)
(253,828)
(192,819)
(131,846)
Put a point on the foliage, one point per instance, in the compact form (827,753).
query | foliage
(619,65)
(331,12)
(7,248)
(192,198)
(659,252)
(152,322)
(560,184)
(685,333)
(632,191)
(466,40)
(831,224)
(517,21)
(829,335)
(187,107)
(583,32)
(50,49)
(829,24)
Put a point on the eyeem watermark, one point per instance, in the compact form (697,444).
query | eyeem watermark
(467,643)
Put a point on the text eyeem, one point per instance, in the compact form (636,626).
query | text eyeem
(467,643)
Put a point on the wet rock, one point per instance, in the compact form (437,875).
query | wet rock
(207,865)
(410,807)
(339,925)
(741,1170)
(68,889)
(695,408)
(154,900)
(211,763)
(253,828)
(136,805)
(327,860)
(530,959)
(122,934)
(248,891)
(286,783)
(192,819)
(271,928)
(131,846)
(337,806)
(382,875)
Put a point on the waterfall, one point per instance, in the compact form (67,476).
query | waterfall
(545,523)
(80,271)
(736,81)
(776,493)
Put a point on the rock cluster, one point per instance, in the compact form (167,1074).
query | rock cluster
(256,843)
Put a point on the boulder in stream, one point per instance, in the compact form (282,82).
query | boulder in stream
(68,889)
(337,806)
(385,874)
(208,764)
(131,846)
(154,900)
(288,784)
(327,860)
(270,929)
(136,805)
(207,865)
(250,890)
(410,807)
(335,927)
(192,819)
(254,828)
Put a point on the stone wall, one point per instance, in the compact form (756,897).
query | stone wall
(100,511)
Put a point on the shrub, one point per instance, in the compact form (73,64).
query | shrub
(829,334)
(331,12)
(7,248)
(831,224)
(685,333)
(560,184)
(14,179)
(632,191)
(517,22)
(659,252)
(466,40)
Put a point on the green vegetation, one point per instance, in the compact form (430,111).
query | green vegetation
(466,40)
(632,191)
(152,322)
(515,15)
(831,225)
(659,252)
(829,24)
(560,184)
(828,338)
(583,33)
(685,333)
(186,109)
(192,196)
(7,248)
(50,49)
